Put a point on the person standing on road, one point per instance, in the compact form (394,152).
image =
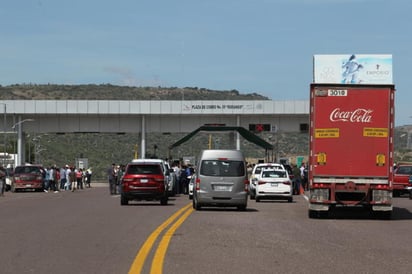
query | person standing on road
(72,178)
(2,182)
(88,177)
(296,179)
(63,178)
(79,178)
(112,178)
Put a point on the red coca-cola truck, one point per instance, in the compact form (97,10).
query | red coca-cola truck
(351,148)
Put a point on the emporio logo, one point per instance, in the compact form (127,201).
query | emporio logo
(359,115)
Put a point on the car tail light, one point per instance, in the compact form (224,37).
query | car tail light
(286,183)
(197,184)
(261,182)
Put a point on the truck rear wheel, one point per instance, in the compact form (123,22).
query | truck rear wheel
(313,214)
(382,215)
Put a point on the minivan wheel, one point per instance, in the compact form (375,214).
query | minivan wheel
(196,205)
(163,201)
(123,200)
(241,207)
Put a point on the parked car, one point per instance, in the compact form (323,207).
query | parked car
(28,177)
(401,179)
(254,177)
(145,179)
(221,180)
(274,183)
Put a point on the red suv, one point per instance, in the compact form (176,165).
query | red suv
(28,177)
(145,179)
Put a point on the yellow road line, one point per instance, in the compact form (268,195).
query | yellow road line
(158,259)
(141,256)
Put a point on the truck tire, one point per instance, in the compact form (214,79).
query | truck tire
(313,214)
(382,215)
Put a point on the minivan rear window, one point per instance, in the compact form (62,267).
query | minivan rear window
(222,168)
(144,169)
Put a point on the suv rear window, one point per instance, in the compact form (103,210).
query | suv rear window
(144,169)
(222,168)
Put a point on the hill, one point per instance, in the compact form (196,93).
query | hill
(111,92)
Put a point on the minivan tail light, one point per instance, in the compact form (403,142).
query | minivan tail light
(247,185)
(197,184)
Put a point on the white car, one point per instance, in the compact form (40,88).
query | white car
(254,177)
(274,184)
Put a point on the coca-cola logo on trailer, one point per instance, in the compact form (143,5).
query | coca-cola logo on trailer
(359,115)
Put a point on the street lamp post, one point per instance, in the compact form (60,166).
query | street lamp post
(19,138)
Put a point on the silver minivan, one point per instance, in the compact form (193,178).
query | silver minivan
(221,179)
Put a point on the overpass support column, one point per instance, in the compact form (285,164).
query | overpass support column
(143,142)
(237,133)
(20,143)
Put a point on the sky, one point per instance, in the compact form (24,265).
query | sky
(253,46)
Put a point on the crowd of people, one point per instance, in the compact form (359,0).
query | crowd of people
(67,178)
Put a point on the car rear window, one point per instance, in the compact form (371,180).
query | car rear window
(27,169)
(144,169)
(274,174)
(404,170)
(222,168)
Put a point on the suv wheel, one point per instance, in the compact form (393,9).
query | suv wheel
(123,200)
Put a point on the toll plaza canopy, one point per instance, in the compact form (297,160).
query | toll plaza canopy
(253,138)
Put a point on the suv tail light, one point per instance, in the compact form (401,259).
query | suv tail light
(159,180)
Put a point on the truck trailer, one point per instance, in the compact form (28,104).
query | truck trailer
(351,148)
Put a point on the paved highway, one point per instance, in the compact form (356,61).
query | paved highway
(89,232)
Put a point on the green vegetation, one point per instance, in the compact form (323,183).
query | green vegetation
(103,149)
